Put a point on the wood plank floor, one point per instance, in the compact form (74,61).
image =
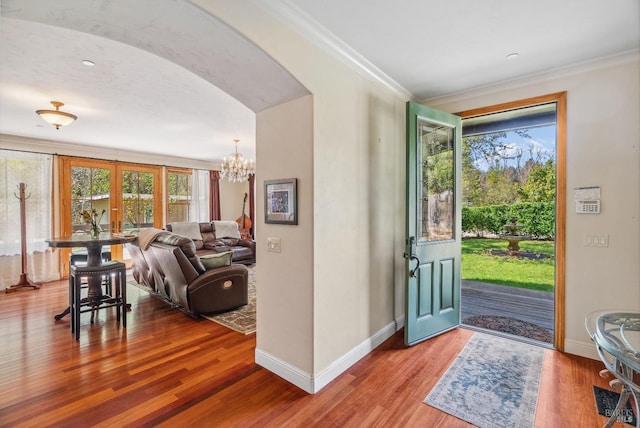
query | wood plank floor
(169,370)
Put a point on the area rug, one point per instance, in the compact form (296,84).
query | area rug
(243,319)
(606,402)
(493,382)
(510,326)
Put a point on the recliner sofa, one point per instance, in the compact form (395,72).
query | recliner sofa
(171,269)
(217,237)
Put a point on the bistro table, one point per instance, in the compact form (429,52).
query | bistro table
(617,338)
(94,257)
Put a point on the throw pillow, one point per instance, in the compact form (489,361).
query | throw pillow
(212,261)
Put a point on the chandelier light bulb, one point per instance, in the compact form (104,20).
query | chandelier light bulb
(237,168)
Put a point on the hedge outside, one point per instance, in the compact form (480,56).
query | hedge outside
(537,219)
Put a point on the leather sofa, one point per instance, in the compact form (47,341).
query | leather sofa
(217,237)
(170,268)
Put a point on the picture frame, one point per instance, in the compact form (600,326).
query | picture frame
(281,201)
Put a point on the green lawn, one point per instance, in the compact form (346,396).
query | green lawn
(479,265)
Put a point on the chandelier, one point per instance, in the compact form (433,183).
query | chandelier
(237,168)
(56,117)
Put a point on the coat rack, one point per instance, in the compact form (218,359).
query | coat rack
(24,281)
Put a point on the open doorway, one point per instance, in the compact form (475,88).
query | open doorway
(513,219)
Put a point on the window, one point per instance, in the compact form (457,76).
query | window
(179,194)
(34,170)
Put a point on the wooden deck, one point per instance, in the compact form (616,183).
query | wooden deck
(536,307)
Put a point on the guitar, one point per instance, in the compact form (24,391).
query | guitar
(244,222)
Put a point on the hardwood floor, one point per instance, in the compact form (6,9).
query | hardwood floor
(169,370)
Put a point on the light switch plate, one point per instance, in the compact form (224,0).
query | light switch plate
(273,245)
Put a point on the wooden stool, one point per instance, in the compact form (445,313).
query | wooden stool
(95,299)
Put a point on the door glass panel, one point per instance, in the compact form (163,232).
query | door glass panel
(90,189)
(137,200)
(179,198)
(436,187)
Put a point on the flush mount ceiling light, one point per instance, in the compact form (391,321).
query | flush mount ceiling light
(513,55)
(237,168)
(56,117)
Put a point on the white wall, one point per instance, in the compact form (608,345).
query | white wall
(603,138)
(357,195)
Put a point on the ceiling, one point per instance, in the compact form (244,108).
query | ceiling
(172,80)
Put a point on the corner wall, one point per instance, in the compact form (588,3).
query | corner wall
(356,203)
(285,293)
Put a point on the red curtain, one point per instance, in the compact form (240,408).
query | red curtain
(252,203)
(214,195)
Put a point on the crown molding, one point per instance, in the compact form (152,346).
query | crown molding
(594,64)
(51,147)
(292,16)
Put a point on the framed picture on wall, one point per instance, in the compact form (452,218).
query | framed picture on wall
(280,201)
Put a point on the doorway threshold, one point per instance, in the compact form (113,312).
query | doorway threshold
(509,336)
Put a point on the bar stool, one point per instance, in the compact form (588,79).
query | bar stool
(79,257)
(95,299)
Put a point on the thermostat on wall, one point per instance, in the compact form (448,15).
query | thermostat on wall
(587,199)
(588,207)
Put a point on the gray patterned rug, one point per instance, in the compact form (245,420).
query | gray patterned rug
(493,382)
(243,319)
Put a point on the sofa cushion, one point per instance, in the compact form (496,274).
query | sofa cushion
(226,242)
(226,229)
(213,261)
(188,229)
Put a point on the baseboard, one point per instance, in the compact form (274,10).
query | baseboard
(350,358)
(313,384)
(291,374)
(583,349)
(399,322)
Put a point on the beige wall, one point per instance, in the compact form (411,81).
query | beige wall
(356,200)
(603,137)
(284,295)
(231,197)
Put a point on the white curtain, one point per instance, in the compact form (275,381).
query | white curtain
(34,170)
(200,198)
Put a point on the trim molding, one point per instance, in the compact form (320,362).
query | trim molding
(583,349)
(313,384)
(399,322)
(27,144)
(288,372)
(291,15)
(535,78)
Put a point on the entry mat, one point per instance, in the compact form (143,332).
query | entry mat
(606,403)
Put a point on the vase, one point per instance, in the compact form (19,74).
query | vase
(95,231)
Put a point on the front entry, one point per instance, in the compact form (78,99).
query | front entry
(433,223)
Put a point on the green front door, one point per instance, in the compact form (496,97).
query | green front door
(433,231)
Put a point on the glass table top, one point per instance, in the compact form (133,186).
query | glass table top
(618,333)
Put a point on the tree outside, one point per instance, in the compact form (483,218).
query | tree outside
(507,168)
